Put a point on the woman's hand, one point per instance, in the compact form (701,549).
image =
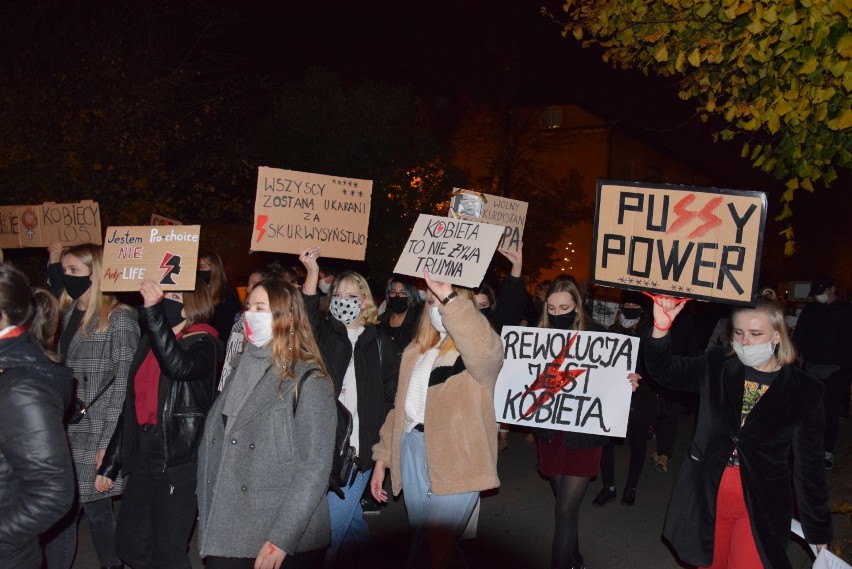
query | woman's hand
(151,293)
(634,379)
(309,257)
(377,481)
(441,290)
(666,310)
(103,484)
(270,557)
(54,252)
(517,259)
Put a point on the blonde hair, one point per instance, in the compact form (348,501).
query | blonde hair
(426,336)
(569,285)
(293,343)
(767,302)
(198,305)
(100,303)
(369,311)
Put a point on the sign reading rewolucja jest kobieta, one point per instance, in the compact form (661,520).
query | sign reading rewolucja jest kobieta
(294,210)
(702,243)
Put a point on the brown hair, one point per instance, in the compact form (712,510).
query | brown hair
(218,280)
(565,283)
(198,305)
(104,304)
(294,342)
(36,309)
(767,302)
(426,336)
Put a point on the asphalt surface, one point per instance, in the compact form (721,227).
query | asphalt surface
(516,521)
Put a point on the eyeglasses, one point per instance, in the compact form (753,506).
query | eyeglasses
(397,293)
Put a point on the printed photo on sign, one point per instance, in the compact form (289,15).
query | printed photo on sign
(168,255)
(294,210)
(508,213)
(453,251)
(566,380)
(687,241)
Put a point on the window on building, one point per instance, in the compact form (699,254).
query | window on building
(551,117)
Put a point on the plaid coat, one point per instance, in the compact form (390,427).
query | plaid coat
(95,360)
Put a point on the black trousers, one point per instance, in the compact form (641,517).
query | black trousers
(302,560)
(156,517)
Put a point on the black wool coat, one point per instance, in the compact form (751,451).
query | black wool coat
(787,420)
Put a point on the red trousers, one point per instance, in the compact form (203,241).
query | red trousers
(733,545)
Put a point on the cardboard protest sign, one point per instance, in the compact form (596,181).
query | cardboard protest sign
(703,243)
(71,223)
(454,251)
(566,380)
(21,226)
(476,206)
(168,256)
(294,210)
(157,219)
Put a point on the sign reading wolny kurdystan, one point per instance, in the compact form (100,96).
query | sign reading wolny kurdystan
(566,380)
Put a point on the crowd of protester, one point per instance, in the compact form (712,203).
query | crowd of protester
(204,413)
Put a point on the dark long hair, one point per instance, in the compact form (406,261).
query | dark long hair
(36,309)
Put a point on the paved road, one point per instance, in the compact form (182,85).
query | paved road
(516,521)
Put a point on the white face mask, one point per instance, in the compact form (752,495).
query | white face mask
(821,298)
(754,355)
(436,319)
(628,322)
(346,311)
(324,286)
(258,326)
(422,295)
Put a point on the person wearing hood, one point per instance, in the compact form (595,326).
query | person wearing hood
(36,472)
(733,498)
(823,336)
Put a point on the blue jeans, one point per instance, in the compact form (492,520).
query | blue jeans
(437,520)
(61,547)
(348,528)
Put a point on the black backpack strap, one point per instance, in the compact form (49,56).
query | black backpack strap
(299,385)
(100,392)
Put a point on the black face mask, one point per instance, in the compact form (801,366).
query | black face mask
(398,304)
(76,286)
(204,276)
(562,321)
(486,311)
(631,313)
(173,309)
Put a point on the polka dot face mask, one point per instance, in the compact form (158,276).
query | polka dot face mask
(346,310)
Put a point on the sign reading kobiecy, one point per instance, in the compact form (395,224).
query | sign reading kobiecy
(39,225)
(166,255)
(453,251)
(687,241)
(157,219)
(476,206)
(566,380)
(293,210)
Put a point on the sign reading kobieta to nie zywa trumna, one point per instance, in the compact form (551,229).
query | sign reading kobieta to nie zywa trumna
(701,243)
(566,380)
(294,210)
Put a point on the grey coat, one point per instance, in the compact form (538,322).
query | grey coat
(268,480)
(95,359)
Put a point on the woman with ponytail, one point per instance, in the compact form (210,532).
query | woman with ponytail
(36,475)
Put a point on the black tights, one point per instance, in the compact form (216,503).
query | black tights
(569,492)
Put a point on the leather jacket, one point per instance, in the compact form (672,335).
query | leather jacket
(188,376)
(36,473)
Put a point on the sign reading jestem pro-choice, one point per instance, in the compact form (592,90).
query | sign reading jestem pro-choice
(476,206)
(450,250)
(566,380)
(168,255)
(294,210)
(687,241)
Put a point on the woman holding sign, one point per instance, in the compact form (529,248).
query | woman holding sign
(755,408)
(98,340)
(439,441)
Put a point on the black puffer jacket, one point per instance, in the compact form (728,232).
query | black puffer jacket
(36,473)
(187,381)
(375,375)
